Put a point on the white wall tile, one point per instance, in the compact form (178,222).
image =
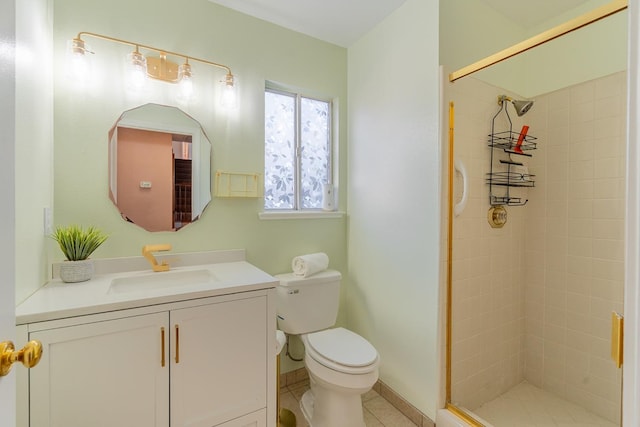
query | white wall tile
(593,190)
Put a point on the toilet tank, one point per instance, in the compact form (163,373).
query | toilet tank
(307,304)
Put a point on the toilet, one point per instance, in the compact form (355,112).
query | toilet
(342,365)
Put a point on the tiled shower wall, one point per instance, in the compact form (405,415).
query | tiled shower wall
(574,250)
(488,288)
(533,300)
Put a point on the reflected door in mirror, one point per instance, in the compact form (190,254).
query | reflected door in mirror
(145,178)
(159,167)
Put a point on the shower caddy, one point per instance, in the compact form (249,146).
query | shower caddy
(506,173)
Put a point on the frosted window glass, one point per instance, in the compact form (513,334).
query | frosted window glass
(295,182)
(314,159)
(279,151)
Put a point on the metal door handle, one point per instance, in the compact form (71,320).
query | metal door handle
(29,356)
(162,347)
(177,344)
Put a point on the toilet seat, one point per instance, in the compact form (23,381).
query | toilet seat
(341,350)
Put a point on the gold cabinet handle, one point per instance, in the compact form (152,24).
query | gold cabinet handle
(177,344)
(162,349)
(29,356)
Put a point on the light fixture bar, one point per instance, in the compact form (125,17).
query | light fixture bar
(161,68)
(78,39)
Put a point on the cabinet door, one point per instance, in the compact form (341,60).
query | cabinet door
(219,362)
(102,374)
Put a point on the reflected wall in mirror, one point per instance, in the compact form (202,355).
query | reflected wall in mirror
(159,167)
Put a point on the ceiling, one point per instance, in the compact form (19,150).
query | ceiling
(342,22)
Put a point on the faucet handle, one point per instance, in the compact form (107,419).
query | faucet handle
(156,248)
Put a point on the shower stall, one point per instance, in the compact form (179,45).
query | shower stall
(535,260)
(532,301)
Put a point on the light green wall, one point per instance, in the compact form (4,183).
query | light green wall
(394,208)
(597,50)
(471,30)
(256,51)
(34,145)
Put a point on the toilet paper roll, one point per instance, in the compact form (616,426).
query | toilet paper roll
(281,339)
(328,197)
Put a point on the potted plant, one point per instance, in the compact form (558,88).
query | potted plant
(77,244)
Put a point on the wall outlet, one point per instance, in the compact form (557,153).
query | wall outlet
(48,221)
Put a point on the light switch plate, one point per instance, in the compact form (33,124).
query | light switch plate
(48,221)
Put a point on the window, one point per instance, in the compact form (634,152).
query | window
(297,155)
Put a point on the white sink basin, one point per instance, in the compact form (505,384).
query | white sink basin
(160,280)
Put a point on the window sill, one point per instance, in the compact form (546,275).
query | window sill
(284,214)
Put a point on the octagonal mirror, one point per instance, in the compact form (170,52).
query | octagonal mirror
(159,167)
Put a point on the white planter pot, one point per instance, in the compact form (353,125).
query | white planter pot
(76,271)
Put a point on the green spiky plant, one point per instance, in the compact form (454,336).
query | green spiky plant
(76,243)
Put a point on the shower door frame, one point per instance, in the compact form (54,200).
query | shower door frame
(631,367)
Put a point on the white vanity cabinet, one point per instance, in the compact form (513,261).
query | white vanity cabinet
(200,362)
(100,373)
(219,362)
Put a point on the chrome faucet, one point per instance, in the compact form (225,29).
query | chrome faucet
(147,252)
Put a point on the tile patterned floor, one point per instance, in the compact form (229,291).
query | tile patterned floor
(528,406)
(522,406)
(378,412)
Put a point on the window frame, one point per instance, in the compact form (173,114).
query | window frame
(297,96)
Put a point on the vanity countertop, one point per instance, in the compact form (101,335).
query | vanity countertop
(132,289)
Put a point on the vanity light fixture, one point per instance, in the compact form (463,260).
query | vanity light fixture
(160,68)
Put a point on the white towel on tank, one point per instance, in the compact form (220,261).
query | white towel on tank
(307,265)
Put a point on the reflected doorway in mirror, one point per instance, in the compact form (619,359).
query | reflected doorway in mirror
(159,167)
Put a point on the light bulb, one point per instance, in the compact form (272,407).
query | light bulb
(137,65)
(78,64)
(185,84)
(229,99)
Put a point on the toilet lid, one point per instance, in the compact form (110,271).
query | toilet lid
(344,347)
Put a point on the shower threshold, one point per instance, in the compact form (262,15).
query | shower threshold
(527,406)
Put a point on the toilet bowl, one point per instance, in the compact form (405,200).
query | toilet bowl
(342,367)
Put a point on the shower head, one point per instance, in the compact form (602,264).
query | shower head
(521,106)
